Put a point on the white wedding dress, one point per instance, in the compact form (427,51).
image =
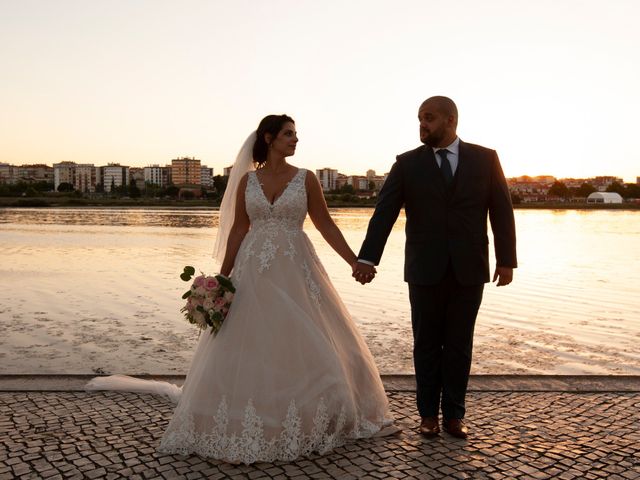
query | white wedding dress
(288,374)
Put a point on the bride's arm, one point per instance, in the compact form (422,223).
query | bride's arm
(319,214)
(238,231)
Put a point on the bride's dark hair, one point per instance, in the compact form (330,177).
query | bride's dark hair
(270,124)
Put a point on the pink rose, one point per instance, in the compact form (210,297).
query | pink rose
(199,281)
(219,304)
(211,283)
(228,296)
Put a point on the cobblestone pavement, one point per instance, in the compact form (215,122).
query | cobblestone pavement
(514,435)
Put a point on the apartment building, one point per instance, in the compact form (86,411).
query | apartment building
(157,175)
(185,171)
(327,178)
(206,176)
(64,172)
(6,173)
(114,175)
(137,175)
(33,173)
(85,178)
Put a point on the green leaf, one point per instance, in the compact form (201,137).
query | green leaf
(185,276)
(226,283)
(189,270)
(186,294)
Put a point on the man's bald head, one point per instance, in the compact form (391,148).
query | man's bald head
(444,105)
(438,118)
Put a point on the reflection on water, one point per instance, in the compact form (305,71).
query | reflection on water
(151,217)
(112,216)
(353,219)
(86,288)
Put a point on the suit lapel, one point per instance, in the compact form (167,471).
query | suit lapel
(462,170)
(434,174)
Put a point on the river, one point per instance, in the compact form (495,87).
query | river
(97,290)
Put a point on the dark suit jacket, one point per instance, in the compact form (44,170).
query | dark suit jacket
(445,224)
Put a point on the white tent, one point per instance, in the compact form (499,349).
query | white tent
(604,197)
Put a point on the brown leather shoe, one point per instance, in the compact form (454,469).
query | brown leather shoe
(429,426)
(455,427)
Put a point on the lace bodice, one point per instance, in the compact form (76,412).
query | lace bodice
(287,212)
(276,227)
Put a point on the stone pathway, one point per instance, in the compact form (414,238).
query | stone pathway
(514,435)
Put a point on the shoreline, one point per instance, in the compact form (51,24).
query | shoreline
(396,382)
(74,202)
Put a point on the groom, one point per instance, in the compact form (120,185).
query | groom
(447,187)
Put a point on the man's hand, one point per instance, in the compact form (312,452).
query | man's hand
(363,272)
(504,275)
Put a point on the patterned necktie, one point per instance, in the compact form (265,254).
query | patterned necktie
(445,166)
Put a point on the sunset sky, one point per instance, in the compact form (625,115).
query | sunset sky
(552,85)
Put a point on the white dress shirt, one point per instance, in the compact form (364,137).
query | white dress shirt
(452,156)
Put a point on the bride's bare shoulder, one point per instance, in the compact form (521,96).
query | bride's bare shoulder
(308,175)
(311,182)
(242,185)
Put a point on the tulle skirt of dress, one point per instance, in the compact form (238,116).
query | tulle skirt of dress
(287,375)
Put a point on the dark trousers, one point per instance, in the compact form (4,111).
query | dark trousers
(443,317)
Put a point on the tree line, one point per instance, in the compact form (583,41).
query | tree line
(626,191)
(43,188)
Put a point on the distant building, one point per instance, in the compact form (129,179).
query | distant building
(226,171)
(85,178)
(155,175)
(114,175)
(602,183)
(185,171)
(206,176)
(33,173)
(137,175)
(6,173)
(358,182)
(378,180)
(545,179)
(341,181)
(531,189)
(327,178)
(574,182)
(604,197)
(64,172)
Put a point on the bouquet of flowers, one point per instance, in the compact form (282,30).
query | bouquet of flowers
(208,299)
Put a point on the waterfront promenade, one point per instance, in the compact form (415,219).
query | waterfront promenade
(524,427)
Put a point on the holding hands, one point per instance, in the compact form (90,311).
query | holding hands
(363,272)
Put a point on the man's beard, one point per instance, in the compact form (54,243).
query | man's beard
(433,139)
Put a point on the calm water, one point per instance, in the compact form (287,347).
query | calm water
(98,290)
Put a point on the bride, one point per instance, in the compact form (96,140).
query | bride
(288,373)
